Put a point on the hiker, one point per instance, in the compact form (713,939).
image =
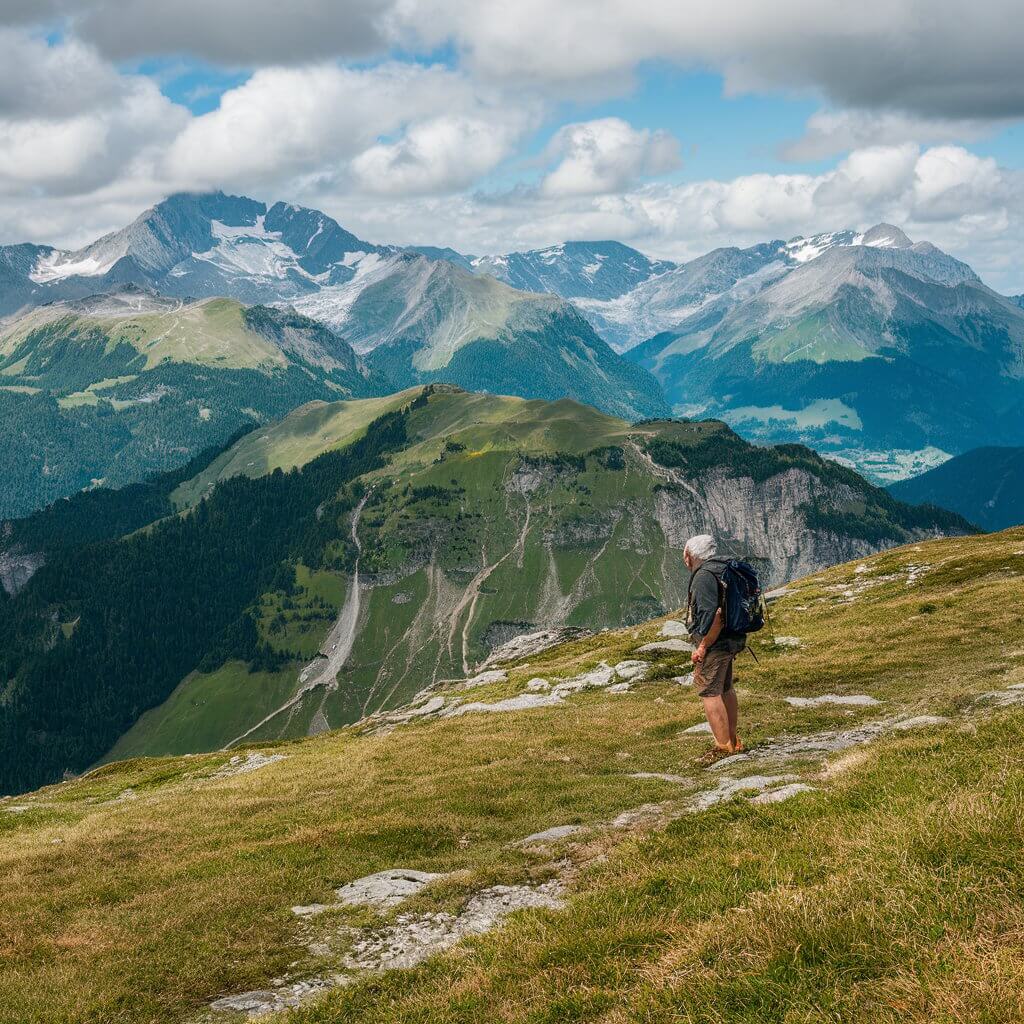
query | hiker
(716,646)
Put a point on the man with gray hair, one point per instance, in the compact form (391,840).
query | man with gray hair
(715,647)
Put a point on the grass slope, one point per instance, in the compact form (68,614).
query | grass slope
(892,892)
(114,388)
(501,515)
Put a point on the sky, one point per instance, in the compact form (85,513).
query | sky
(675,126)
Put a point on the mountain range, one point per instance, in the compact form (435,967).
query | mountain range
(421,318)
(885,354)
(335,563)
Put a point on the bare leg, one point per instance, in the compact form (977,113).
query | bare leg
(732,710)
(718,719)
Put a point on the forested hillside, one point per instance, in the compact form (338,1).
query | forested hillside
(106,630)
(984,484)
(111,389)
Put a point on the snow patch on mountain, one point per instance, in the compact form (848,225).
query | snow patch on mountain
(803,250)
(250,251)
(332,304)
(56,265)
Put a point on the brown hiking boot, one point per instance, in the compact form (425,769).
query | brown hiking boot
(715,754)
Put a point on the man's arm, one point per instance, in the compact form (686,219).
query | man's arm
(708,639)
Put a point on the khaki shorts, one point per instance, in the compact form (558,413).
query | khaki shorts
(713,676)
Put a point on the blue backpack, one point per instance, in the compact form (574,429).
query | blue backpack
(740,596)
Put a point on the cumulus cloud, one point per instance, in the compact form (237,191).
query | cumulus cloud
(830,132)
(293,121)
(70,123)
(439,155)
(948,60)
(38,80)
(606,155)
(965,204)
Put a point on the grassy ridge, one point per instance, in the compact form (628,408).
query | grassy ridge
(891,893)
(114,395)
(499,515)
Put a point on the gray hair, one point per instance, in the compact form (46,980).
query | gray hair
(701,548)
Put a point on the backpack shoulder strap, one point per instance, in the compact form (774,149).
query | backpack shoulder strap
(719,582)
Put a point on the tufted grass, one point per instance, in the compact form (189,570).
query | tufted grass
(149,887)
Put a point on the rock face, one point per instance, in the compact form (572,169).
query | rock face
(767,517)
(530,644)
(413,938)
(17,569)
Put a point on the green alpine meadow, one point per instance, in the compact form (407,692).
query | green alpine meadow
(859,863)
(358,551)
(511,514)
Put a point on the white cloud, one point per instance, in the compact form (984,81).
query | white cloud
(69,123)
(38,80)
(830,132)
(442,154)
(964,204)
(298,121)
(606,155)
(938,61)
(232,32)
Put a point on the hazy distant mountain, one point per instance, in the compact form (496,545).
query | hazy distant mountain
(713,282)
(870,342)
(574,270)
(866,345)
(420,320)
(985,485)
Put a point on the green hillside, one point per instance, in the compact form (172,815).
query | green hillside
(114,388)
(395,551)
(984,484)
(862,864)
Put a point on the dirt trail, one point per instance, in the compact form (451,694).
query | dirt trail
(334,651)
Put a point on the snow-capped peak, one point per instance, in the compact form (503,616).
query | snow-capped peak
(802,250)
(885,236)
(881,236)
